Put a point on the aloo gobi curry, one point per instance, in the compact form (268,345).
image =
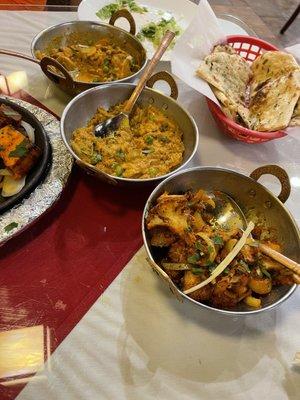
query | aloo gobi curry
(103,61)
(147,146)
(195,251)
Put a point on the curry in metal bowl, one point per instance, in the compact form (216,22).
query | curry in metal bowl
(150,145)
(99,61)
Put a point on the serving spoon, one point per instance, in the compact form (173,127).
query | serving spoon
(230,215)
(112,124)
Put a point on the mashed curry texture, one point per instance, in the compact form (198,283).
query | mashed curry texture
(150,145)
(101,62)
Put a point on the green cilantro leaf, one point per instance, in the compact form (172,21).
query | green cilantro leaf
(266,273)
(20,151)
(217,240)
(10,226)
(197,271)
(193,259)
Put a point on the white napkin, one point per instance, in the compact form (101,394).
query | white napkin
(295,51)
(198,40)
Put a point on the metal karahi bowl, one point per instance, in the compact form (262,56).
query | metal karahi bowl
(257,202)
(82,108)
(63,34)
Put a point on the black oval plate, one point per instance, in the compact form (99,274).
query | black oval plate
(38,172)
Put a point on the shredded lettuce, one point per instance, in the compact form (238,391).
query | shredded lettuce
(107,11)
(154,32)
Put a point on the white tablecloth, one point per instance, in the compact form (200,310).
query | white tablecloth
(137,341)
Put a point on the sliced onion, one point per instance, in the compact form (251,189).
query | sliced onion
(29,130)
(12,186)
(4,172)
(176,266)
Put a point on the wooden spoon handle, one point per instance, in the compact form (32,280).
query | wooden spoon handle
(19,55)
(287,262)
(164,44)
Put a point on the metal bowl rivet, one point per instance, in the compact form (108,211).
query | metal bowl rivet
(252,192)
(268,204)
(151,100)
(165,107)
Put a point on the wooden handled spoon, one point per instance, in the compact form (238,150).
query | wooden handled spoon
(112,124)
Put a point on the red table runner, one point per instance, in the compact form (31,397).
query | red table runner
(52,273)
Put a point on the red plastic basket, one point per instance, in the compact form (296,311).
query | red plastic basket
(249,48)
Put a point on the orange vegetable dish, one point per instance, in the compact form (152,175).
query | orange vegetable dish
(102,61)
(192,245)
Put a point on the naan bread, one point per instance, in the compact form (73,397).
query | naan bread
(269,66)
(224,48)
(272,107)
(295,121)
(232,110)
(229,73)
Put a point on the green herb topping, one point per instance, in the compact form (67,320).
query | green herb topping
(10,226)
(21,150)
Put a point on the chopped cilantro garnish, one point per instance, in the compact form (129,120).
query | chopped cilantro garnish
(197,271)
(266,273)
(211,266)
(193,259)
(217,240)
(10,226)
(20,151)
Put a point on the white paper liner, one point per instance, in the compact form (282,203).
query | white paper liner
(203,33)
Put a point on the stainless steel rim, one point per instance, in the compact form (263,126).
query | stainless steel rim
(44,31)
(149,254)
(169,174)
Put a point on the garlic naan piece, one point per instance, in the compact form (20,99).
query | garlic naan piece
(224,48)
(269,66)
(229,73)
(234,111)
(272,107)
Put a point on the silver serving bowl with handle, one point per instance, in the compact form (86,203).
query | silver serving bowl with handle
(88,32)
(258,204)
(83,107)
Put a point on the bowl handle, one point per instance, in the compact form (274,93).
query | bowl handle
(65,81)
(167,77)
(124,14)
(280,174)
(159,271)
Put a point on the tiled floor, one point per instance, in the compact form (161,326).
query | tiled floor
(274,13)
